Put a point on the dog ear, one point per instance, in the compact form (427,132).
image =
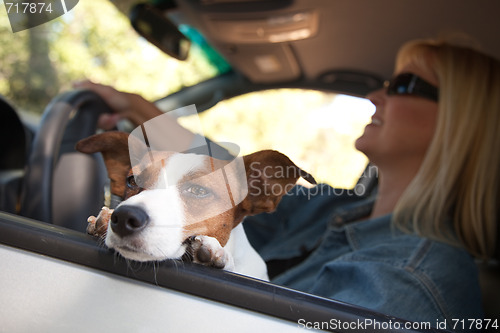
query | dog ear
(270,175)
(114,149)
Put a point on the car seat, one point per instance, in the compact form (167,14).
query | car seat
(14,146)
(489,280)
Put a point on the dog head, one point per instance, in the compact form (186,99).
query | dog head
(170,197)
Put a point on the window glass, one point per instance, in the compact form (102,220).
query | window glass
(92,41)
(317,130)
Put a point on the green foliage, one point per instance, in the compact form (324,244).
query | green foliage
(93,41)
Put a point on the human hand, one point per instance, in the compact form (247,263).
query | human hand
(124,105)
(138,110)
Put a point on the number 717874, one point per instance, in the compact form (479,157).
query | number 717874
(28,7)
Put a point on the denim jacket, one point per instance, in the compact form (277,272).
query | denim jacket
(365,262)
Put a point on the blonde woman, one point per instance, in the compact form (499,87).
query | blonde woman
(407,250)
(455,196)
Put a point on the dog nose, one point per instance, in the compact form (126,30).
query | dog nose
(127,220)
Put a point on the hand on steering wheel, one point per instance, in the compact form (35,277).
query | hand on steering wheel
(124,105)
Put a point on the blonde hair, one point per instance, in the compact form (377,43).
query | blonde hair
(455,195)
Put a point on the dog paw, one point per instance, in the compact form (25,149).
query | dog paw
(98,226)
(208,251)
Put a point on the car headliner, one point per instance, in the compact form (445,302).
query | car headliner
(356,40)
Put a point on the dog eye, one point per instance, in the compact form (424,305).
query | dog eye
(198,191)
(131,182)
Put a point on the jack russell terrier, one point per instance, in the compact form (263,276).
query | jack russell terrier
(179,204)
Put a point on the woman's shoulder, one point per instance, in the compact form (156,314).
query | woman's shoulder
(450,275)
(436,265)
(446,275)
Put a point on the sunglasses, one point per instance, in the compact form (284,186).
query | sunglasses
(411,85)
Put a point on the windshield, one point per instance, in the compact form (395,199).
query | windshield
(315,129)
(94,41)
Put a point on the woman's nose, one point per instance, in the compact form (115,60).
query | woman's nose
(377,97)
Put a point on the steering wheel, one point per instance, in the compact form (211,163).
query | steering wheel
(62,186)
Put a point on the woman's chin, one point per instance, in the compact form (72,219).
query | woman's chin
(363,144)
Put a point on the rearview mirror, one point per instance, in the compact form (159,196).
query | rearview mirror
(154,25)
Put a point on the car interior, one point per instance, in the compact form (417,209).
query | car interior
(345,47)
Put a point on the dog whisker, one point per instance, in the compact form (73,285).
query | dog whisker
(155,263)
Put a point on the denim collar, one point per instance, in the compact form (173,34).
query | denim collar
(347,214)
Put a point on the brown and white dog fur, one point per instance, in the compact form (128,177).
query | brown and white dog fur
(155,222)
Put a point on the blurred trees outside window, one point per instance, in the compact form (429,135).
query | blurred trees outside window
(95,41)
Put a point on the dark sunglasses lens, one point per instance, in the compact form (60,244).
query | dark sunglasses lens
(400,85)
(410,84)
